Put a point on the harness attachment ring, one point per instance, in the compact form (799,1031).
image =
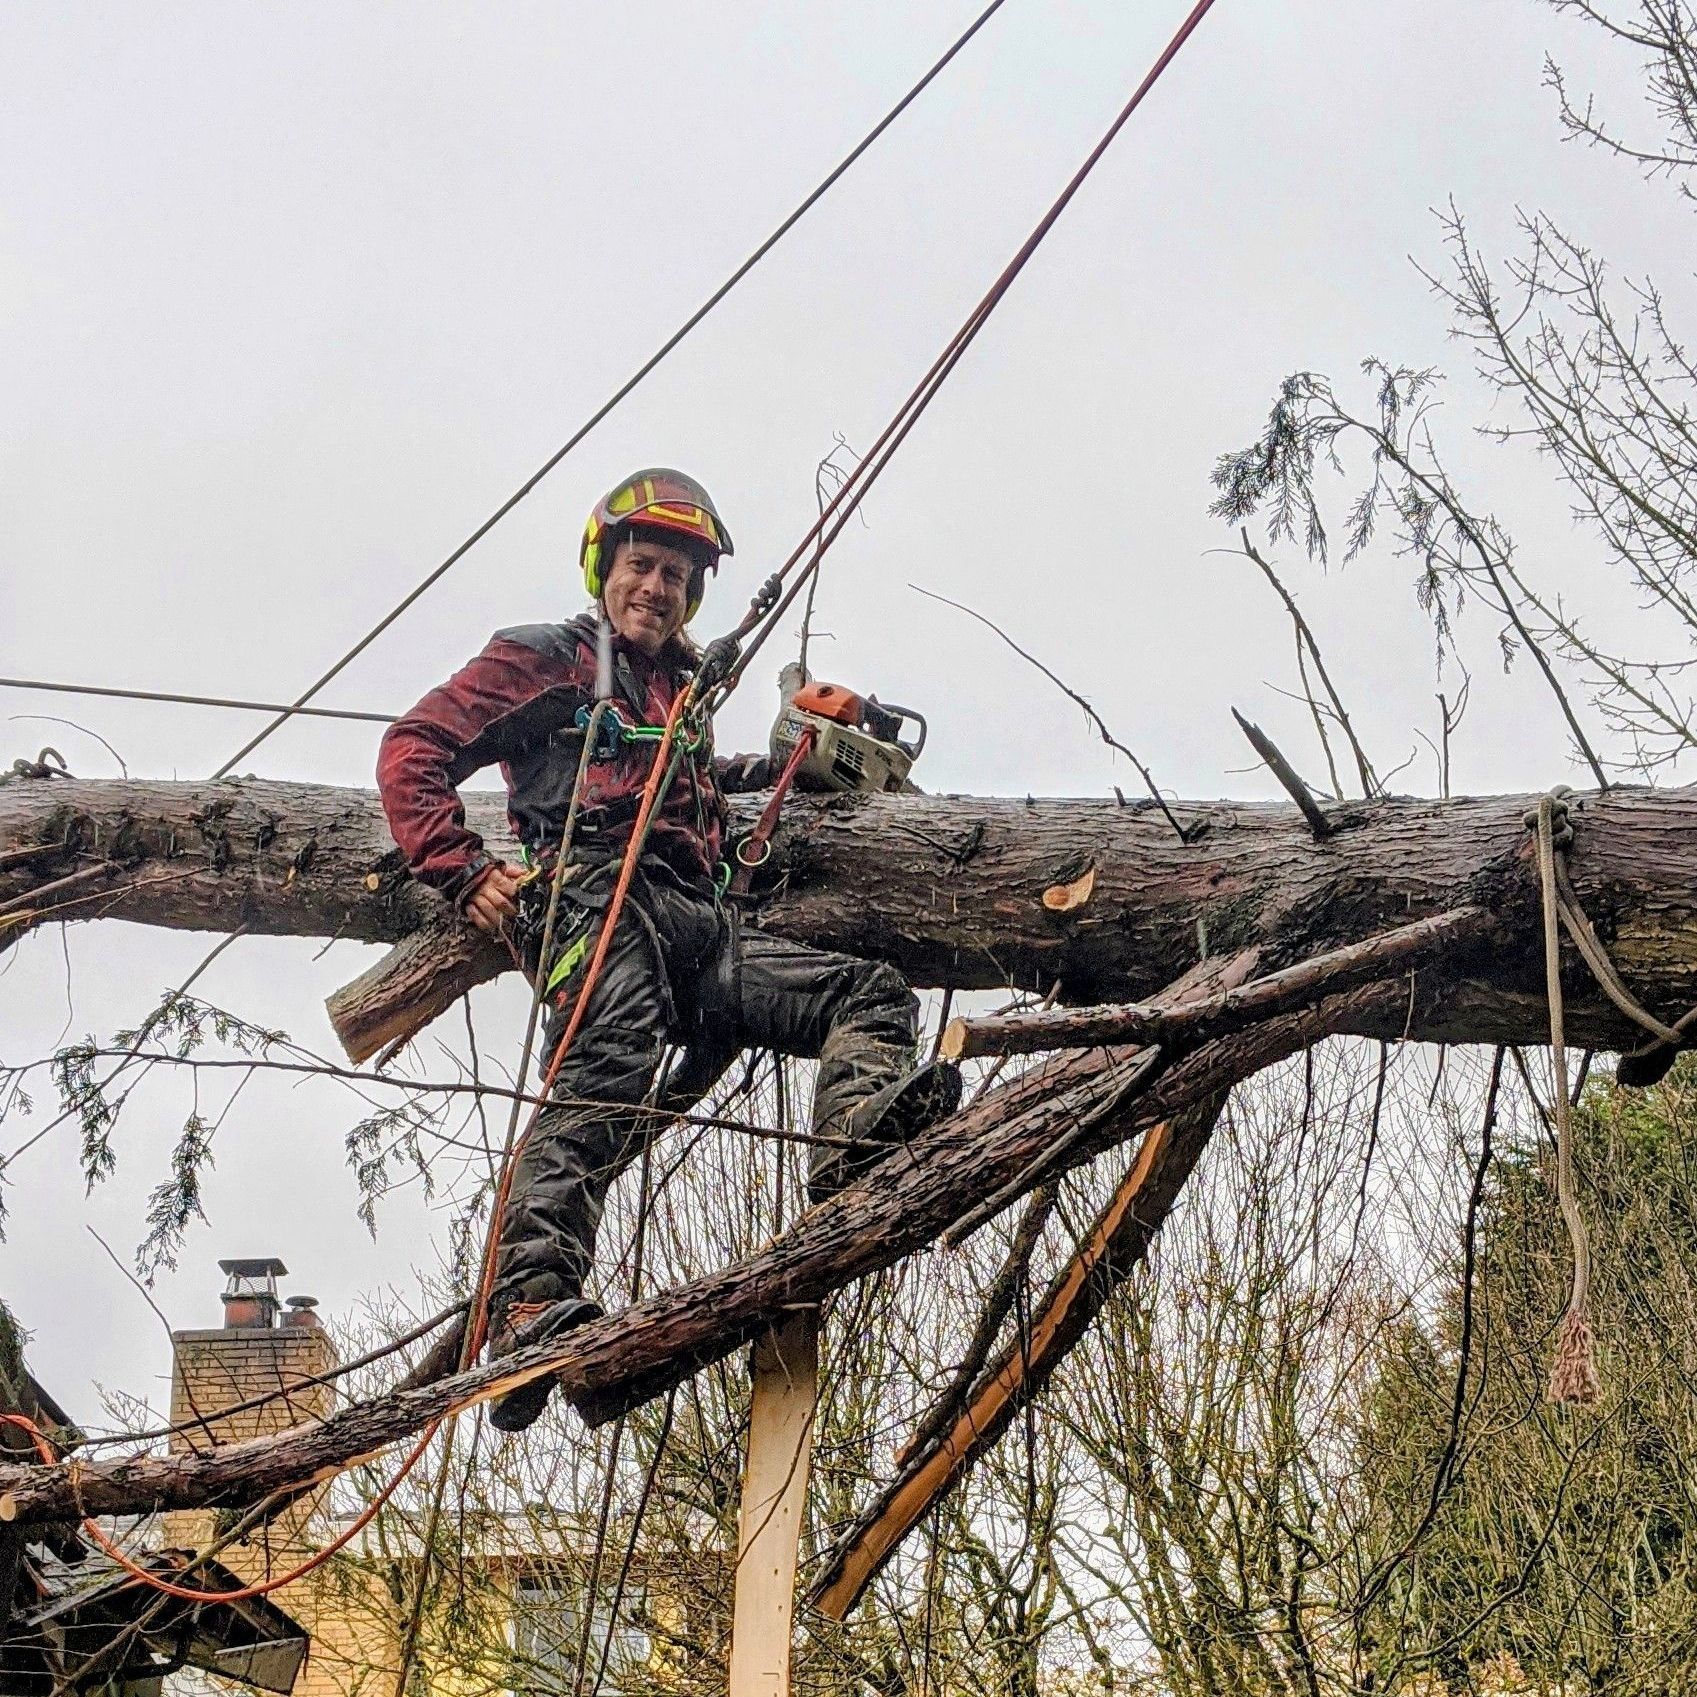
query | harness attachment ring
(764,854)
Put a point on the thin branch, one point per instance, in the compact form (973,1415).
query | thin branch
(446,1087)
(1186,834)
(1370,785)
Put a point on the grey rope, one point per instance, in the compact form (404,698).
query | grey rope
(1573,1374)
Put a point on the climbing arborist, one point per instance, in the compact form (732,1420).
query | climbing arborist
(682,967)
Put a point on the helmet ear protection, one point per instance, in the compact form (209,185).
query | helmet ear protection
(663,500)
(595,544)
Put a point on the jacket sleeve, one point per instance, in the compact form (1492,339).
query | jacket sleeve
(486,711)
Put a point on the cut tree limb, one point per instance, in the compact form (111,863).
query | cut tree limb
(948,888)
(607,1367)
(1042,1029)
(1289,778)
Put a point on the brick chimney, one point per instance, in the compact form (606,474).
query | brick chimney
(259,1350)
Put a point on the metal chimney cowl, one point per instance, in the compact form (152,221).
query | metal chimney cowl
(300,1313)
(250,1293)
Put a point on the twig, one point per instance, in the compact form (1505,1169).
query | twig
(71,724)
(1444,1472)
(1451,720)
(1142,1068)
(199,1421)
(444,1087)
(1370,785)
(1186,834)
(134,1049)
(341,1371)
(827,467)
(29,851)
(104,870)
(998,1301)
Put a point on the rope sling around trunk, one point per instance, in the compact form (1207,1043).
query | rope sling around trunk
(1573,1374)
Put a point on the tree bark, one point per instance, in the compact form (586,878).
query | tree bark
(610,1366)
(950,889)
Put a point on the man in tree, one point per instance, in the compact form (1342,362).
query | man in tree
(681,967)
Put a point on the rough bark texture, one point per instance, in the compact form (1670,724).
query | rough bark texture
(952,891)
(948,888)
(610,1366)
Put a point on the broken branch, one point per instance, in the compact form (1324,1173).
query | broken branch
(1173,1022)
(610,1366)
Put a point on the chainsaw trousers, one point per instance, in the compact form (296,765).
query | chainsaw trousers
(681,969)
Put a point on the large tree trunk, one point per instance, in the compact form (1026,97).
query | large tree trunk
(950,889)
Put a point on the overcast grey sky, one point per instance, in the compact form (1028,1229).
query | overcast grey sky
(291,296)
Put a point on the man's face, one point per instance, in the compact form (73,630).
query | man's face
(647,593)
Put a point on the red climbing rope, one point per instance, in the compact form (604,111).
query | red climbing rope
(478,1320)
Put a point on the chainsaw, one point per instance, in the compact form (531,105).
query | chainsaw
(855,741)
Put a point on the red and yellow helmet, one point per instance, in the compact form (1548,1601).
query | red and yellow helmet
(663,499)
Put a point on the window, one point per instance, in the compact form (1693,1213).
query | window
(547,1628)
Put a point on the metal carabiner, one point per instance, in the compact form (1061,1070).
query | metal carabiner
(610,731)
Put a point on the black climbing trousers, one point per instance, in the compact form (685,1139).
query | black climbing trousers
(682,969)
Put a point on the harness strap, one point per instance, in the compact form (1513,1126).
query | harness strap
(755,849)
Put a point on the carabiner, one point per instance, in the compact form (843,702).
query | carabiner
(609,733)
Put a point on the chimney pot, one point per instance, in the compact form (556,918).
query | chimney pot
(301,1312)
(250,1293)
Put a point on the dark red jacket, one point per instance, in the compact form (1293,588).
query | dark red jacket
(517,703)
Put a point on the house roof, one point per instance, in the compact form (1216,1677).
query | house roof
(65,1605)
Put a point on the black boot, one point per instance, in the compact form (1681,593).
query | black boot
(897,1113)
(517,1324)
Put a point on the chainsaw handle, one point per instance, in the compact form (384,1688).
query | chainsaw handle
(911,749)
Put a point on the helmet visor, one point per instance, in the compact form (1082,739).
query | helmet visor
(671,502)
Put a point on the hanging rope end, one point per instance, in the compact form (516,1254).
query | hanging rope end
(1573,1373)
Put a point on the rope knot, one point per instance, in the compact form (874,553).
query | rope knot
(49,763)
(1555,803)
(1573,1373)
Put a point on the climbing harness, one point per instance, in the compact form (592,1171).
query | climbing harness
(614,733)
